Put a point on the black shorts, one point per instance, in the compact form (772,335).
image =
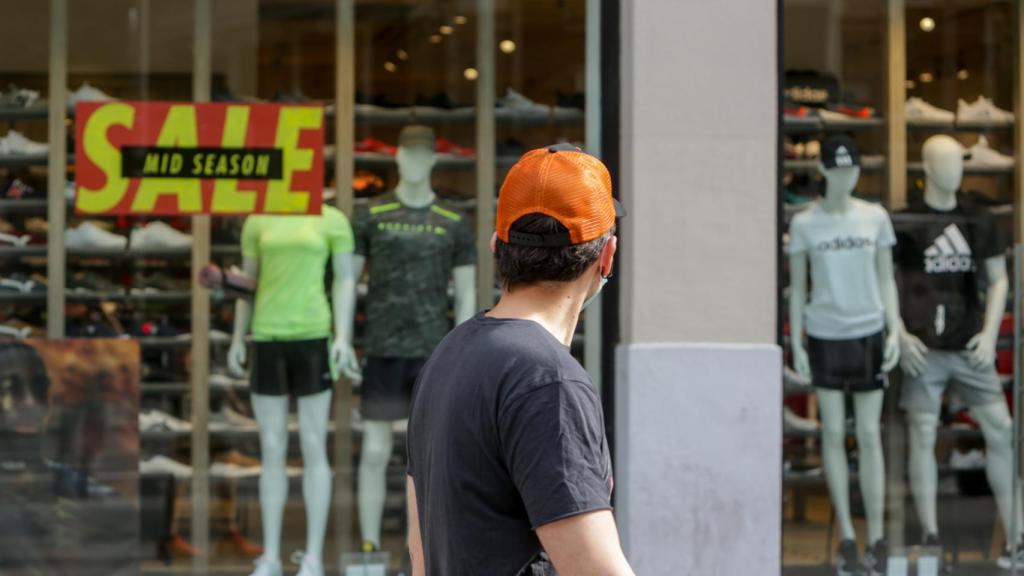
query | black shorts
(850,365)
(387,387)
(299,367)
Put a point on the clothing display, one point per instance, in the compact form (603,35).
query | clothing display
(387,387)
(941,257)
(944,369)
(411,253)
(853,365)
(845,300)
(544,419)
(296,367)
(291,303)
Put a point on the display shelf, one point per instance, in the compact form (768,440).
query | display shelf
(31,113)
(929,125)
(959,126)
(22,298)
(183,387)
(869,163)
(165,342)
(811,124)
(22,251)
(216,432)
(444,162)
(918,168)
(23,160)
(25,206)
(367,115)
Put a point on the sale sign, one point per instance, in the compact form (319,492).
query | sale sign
(198,158)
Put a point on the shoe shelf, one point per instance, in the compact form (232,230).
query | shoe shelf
(20,251)
(183,387)
(22,298)
(216,431)
(959,126)
(27,206)
(918,168)
(427,115)
(32,113)
(869,164)
(793,125)
(165,342)
(22,160)
(379,161)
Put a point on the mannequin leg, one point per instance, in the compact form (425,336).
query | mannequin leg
(373,466)
(272,416)
(832,406)
(868,409)
(314,412)
(997,427)
(924,474)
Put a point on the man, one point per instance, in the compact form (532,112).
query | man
(507,453)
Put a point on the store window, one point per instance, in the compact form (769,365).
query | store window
(220,389)
(899,192)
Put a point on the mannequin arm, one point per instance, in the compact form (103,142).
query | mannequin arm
(891,304)
(243,312)
(983,345)
(465,293)
(797,302)
(343,296)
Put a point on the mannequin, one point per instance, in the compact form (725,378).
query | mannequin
(413,245)
(848,245)
(949,337)
(291,330)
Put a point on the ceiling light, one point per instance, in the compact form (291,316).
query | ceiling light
(435,38)
(470,74)
(446,29)
(460,20)
(926,77)
(402,55)
(927,24)
(390,66)
(507,46)
(911,84)
(963,74)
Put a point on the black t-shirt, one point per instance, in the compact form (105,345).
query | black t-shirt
(506,434)
(941,257)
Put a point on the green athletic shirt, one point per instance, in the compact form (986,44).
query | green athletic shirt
(291,300)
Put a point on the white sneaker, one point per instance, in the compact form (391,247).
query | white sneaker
(229,470)
(228,419)
(519,104)
(917,110)
(792,421)
(161,464)
(159,235)
(307,565)
(16,143)
(87,93)
(984,156)
(982,110)
(69,191)
(155,421)
(13,240)
(89,235)
(972,460)
(267,567)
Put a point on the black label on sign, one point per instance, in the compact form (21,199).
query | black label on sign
(207,163)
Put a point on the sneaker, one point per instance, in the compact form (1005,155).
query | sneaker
(88,235)
(228,419)
(982,110)
(15,143)
(447,147)
(518,104)
(158,235)
(85,282)
(229,470)
(847,562)
(87,93)
(14,239)
(917,110)
(267,567)
(1005,560)
(308,566)
(17,189)
(792,421)
(18,98)
(876,558)
(235,539)
(970,460)
(161,464)
(374,146)
(984,156)
(158,421)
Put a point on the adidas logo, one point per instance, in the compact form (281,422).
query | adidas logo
(843,157)
(950,253)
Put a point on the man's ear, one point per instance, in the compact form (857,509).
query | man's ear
(607,257)
(494,243)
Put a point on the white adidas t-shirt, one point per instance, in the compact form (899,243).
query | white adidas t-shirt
(845,299)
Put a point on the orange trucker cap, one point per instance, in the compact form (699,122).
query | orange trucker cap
(562,182)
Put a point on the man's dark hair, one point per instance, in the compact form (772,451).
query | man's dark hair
(520,265)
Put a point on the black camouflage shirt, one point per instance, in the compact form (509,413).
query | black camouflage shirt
(411,253)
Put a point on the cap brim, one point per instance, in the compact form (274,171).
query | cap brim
(620,211)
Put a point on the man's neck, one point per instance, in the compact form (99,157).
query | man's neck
(554,306)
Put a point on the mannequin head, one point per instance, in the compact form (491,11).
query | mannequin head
(943,163)
(416,155)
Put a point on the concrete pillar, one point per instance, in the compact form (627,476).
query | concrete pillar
(698,386)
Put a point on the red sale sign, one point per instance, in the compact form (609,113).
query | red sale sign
(198,158)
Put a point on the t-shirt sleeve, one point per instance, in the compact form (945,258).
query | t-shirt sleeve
(465,246)
(251,237)
(886,233)
(797,238)
(360,229)
(554,446)
(990,241)
(339,231)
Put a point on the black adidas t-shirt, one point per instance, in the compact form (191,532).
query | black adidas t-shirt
(506,435)
(941,257)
